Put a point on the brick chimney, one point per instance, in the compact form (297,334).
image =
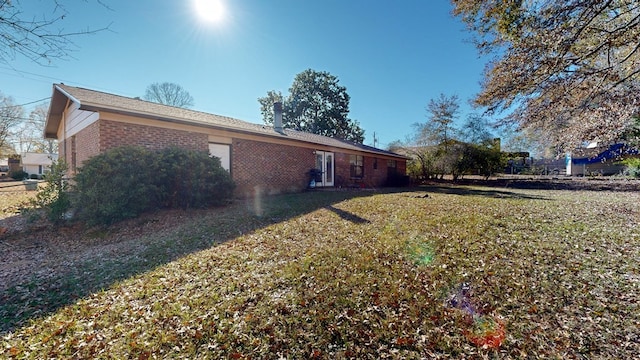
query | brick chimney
(277,117)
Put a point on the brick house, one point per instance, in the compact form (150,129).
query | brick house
(261,159)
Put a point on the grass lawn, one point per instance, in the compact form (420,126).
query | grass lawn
(467,272)
(13,196)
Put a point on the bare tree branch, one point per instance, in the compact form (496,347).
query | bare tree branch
(570,68)
(169,94)
(36,37)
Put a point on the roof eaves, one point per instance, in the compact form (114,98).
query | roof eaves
(250,128)
(65,93)
(146,115)
(57,105)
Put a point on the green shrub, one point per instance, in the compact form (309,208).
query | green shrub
(187,179)
(54,198)
(127,181)
(19,175)
(632,167)
(114,186)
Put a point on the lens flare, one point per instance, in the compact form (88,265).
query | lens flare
(485,331)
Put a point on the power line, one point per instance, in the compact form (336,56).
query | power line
(23,74)
(29,103)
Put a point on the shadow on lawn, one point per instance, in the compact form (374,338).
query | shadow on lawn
(196,230)
(348,216)
(486,192)
(554,183)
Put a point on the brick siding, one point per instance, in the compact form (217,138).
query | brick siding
(263,168)
(375,171)
(256,167)
(375,175)
(87,143)
(343,170)
(81,146)
(114,134)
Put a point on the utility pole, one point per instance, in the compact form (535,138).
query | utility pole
(375,140)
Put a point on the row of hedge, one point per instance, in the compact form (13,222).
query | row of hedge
(127,181)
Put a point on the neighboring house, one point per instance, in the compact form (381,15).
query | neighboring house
(4,167)
(37,164)
(597,159)
(261,159)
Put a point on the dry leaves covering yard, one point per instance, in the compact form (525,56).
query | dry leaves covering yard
(467,272)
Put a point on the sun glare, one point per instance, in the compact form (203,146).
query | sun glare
(211,11)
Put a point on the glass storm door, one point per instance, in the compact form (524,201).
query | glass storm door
(324,163)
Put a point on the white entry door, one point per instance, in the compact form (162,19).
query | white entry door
(324,163)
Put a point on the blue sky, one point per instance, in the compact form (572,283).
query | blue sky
(392,56)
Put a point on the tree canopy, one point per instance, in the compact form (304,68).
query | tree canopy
(316,103)
(10,115)
(169,94)
(437,148)
(440,127)
(568,68)
(26,135)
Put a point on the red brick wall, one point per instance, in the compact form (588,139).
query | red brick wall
(256,167)
(104,134)
(114,134)
(343,170)
(375,171)
(375,176)
(263,168)
(87,143)
(402,167)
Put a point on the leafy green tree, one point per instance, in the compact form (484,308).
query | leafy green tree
(316,103)
(266,107)
(567,68)
(486,158)
(436,148)
(421,163)
(632,167)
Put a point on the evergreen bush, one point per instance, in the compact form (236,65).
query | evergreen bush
(54,197)
(18,175)
(124,182)
(114,186)
(632,167)
(191,179)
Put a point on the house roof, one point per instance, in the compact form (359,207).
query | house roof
(91,100)
(38,159)
(594,155)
